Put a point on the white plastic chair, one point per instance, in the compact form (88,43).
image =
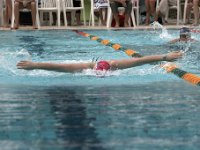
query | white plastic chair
(136,10)
(69,7)
(93,9)
(25,10)
(109,17)
(177,8)
(50,6)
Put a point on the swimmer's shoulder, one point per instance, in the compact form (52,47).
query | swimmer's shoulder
(174,41)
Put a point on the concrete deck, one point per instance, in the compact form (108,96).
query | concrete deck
(172,26)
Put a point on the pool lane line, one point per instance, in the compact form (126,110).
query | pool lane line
(169,67)
(195,31)
(115,46)
(187,76)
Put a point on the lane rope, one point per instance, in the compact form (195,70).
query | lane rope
(169,67)
(195,30)
(115,46)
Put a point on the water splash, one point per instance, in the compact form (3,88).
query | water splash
(9,59)
(164,34)
(187,47)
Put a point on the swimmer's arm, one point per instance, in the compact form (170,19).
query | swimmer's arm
(193,40)
(173,41)
(128,63)
(73,67)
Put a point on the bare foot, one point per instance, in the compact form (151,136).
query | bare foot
(117,25)
(16,27)
(126,25)
(147,22)
(34,27)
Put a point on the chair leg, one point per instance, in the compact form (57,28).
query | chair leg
(73,13)
(58,16)
(65,18)
(109,18)
(178,15)
(90,19)
(84,19)
(13,15)
(1,13)
(185,11)
(50,19)
(41,17)
(133,17)
(138,16)
(37,20)
(167,15)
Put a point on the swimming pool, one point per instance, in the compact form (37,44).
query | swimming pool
(139,108)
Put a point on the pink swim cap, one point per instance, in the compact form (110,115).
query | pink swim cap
(102,65)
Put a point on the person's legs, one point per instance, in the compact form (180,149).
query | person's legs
(17,6)
(147,12)
(32,6)
(69,18)
(77,3)
(188,11)
(152,4)
(162,9)
(114,7)
(102,15)
(128,10)
(78,17)
(8,12)
(196,11)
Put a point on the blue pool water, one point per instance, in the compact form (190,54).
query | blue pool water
(141,108)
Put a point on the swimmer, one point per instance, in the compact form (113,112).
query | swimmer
(99,66)
(185,36)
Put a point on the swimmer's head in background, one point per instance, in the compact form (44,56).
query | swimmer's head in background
(185,32)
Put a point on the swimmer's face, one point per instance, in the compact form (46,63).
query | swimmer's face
(185,36)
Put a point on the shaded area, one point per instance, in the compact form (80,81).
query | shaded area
(151,116)
(73,126)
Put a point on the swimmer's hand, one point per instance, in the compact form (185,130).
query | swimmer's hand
(172,56)
(27,65)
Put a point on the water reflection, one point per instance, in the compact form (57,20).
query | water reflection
(45,118)
(73,126)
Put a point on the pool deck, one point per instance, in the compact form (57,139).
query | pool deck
(173,26)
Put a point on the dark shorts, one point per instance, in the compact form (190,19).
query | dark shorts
(114,6)
(77,3)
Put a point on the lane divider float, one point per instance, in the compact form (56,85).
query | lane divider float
(169,67)
(195,30)
(115,46)
(190,77)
